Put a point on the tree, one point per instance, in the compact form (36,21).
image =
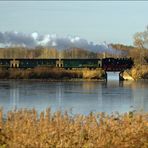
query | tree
(141,39)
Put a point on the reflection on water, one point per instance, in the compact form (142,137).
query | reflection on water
(140,90)
(14,95)
(80,97)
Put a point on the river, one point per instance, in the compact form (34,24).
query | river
(75,97)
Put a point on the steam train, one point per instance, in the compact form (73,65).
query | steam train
(105,63)
(112,64)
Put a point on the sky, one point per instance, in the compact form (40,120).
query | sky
(96,21)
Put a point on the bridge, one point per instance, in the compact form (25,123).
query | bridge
(118,75)
(107,64)
(117,65)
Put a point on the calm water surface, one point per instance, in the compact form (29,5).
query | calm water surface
(76,97)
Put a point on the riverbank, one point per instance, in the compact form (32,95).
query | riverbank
(139,72)
(25,128)
(52,74)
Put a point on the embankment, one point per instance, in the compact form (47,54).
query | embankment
(139,72)
(51,73)
(127,75)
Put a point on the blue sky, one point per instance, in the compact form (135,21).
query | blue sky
(97,21)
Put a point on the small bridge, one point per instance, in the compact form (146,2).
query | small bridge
(118,66)
(118,75)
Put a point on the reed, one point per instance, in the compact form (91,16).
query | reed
(25,128)
(50,73)
(140,72)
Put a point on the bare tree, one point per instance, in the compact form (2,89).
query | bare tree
(141,39)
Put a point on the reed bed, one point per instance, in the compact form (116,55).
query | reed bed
(51,73)
(26,129)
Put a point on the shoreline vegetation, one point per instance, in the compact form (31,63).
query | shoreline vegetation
(138,72)
(52,74)
(26,128)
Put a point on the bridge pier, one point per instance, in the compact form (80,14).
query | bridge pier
(106,76)
(120,75)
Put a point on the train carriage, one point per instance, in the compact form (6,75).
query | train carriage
(81,63)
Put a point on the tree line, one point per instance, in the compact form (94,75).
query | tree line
(42,52)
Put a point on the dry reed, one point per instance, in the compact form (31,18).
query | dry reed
(24,128)
(51,73)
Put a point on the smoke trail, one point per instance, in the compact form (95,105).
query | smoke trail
(9,39)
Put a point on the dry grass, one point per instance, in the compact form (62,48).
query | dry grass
(22,129)
(140,72)
(50,73)
(93,74)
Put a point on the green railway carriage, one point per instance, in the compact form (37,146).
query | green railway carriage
(27,63)
(81,63)
(65,63)
(5,63)
(31,63)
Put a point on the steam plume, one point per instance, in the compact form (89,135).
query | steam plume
(9,39)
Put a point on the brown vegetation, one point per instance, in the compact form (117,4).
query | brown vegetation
(139,55)
(50,73)
(139,72)
(23,129)
(93,74)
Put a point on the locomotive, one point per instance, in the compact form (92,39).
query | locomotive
(112,64)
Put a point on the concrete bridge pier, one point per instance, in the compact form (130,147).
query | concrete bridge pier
(121,76)
(117,76)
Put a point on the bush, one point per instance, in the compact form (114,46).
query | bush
(140,71)
(92,74)
(4,74)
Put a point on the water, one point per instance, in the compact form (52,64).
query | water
(76,97)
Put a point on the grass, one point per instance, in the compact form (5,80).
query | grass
(51,73)
(139,72)
(25,129)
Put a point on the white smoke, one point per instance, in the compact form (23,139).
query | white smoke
(9,39)
(35,35)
